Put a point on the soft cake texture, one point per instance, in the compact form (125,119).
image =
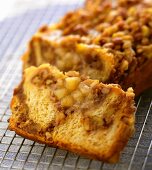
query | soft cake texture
(121,31)
(67,53)
(86,117)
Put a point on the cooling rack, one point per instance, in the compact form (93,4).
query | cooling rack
(19,153)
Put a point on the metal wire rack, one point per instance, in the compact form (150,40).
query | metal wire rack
(19,153)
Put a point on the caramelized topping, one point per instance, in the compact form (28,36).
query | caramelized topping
(73,94)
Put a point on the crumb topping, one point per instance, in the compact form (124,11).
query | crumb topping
(72,93)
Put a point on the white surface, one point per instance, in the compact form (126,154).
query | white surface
(14,7)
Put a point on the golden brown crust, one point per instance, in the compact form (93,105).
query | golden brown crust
(25,134)
(141,79)
(112,157)
(121,129)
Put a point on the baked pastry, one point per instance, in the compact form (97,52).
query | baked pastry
(92,4)
(70,53)
(121,33)
(73,112)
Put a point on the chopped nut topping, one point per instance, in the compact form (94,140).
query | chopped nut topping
(84,89)
(72,94)
(73,74)
(36,80)
(105,90)
(48,135)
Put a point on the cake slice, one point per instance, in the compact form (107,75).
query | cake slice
(109,43)
(72,52)
(69,53)
(73,112)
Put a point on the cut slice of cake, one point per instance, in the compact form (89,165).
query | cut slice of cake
(69,53)
(72,52)
(109,43)
(73,112)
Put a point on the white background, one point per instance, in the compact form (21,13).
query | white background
(14,7)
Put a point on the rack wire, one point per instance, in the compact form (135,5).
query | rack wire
(19,153)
